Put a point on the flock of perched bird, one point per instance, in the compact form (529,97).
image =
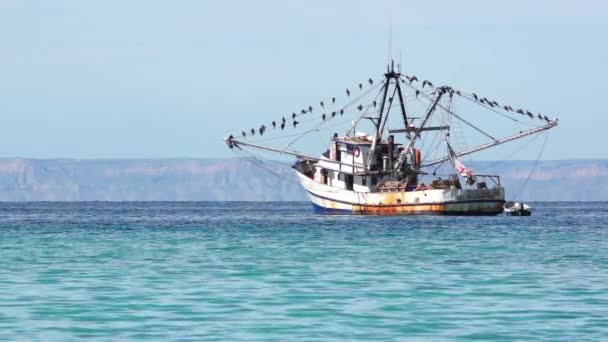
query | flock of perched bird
(282,123)
(482,100)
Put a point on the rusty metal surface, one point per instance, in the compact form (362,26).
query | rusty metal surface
(474,208)
(471,202)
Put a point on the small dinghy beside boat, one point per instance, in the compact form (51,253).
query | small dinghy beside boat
(517,209)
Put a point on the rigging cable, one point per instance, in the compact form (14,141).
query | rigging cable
(507,157)
(468,97)
(257,161)
(343,108)
(482,104)
(316,127)
(533,167)
(456,115)
(271,138)
(431,149)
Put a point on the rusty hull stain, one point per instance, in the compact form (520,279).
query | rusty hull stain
(396,204)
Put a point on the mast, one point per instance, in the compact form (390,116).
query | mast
(378,133)
(429,112)
(402,105)
(391,74)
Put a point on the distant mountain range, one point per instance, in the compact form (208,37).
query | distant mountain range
(249,180)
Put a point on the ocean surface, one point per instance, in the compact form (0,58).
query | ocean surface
(275,271)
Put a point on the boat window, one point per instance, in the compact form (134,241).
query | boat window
(349,181)
(373,181)
(363,180)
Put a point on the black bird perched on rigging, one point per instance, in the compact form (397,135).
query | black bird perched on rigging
(284,120)
(360,86)
(293,115)
(333,114)
(360,107)
(547,119)
(413,79)
(282,125)
(347,92)
(458,93)
(520,112)
(374,103)
(417,93)
(244,134)
(323,116)
(322,104)
(303,111)
(430,84)
(252,131)
(274,125)
(295,123)
(310,109)
(475,96)
(529,114)
(495,103)
(261,130)
(333,99)
(371,82)
(540,116)
(341,112)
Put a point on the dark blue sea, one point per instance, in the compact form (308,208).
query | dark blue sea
(276,271)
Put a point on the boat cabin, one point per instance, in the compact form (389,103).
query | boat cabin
(353,155)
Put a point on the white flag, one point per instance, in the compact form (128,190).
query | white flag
(460,168)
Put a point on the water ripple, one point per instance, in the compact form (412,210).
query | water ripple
(274,271)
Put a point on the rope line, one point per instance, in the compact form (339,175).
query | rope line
(533,167)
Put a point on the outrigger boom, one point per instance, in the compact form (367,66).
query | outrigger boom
(494,143)
(231,142)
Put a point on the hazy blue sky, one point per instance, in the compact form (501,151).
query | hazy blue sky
(105,79)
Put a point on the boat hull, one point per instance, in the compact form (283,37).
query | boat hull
(329,200)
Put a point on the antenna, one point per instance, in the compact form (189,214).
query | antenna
(399,63)
(390,41)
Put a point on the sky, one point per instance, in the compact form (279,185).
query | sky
(170,79)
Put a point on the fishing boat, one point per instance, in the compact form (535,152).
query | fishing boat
(380,171)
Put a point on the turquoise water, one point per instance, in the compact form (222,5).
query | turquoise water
(275,271)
